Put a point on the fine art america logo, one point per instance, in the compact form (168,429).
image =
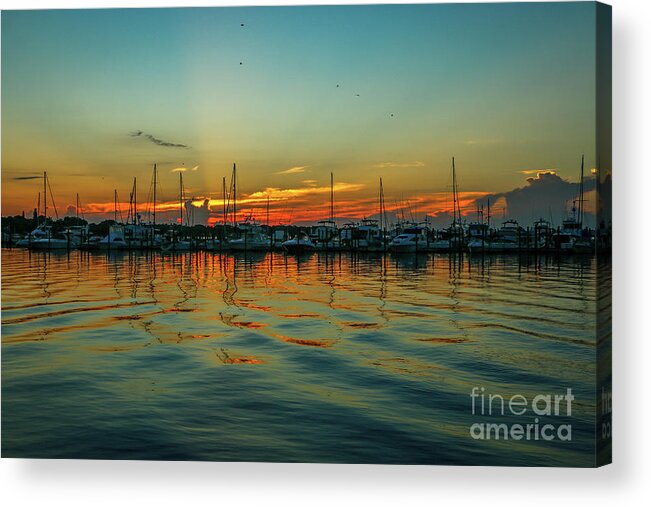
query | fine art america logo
(536,414)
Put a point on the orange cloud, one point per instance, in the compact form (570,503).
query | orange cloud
(288,193)
(304,204)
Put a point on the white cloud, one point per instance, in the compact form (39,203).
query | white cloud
(184,169)
(294,170)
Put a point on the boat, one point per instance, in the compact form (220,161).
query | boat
(325,236)
(478,236)
(51,243)
(45,238)
(252,237)
(278,237)
(141,236)
(174,242)
(542,234)
(300,243)
(68,239)
(41,232)
(572,237)
(176,246)
(369,237)
(114,240)
(509,236)
(412,239)
(452,238)
(448,240)
(249,234)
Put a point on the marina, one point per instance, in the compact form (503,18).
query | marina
(243,233)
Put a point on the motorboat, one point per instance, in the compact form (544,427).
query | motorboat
(252,238)
(411,239)
(301,243)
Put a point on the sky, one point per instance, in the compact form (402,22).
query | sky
(290,94)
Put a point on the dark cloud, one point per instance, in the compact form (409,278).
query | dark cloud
(545,195)
(157,141)
(24,178)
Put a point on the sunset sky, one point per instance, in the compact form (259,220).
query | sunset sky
(97,97)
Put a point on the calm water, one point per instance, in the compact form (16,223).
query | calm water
(327,358)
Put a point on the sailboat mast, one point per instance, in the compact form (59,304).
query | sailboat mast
(155,182)
(131,210)
(135,201)
(581,195)
(380,203)
(488,221)
(383,211)
(454,194)
(45,196)
(181,198)
(332,198)
(234,195)
(77,207)
(115,205)
(224,199)
(267,210)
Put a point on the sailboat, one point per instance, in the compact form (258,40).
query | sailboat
(135,232)
(251,234)
(326,234)
(571,237)
(451,238)
(301,242)
(411,237)
(252,237)
(41,231)
(174,242)
(68,239)
(478,231)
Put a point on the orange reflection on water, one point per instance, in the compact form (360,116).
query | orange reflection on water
(304,341)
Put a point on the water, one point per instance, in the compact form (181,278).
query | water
(263,357)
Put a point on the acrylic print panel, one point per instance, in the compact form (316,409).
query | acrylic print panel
(344,234)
